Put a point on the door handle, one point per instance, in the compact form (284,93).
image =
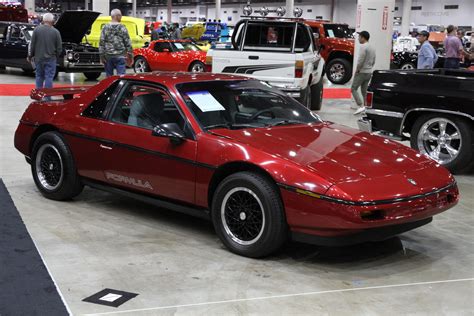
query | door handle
(105,147)
(254,57)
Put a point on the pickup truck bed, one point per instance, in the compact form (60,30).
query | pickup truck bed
(432,108)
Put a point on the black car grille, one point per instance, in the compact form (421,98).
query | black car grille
(88,58)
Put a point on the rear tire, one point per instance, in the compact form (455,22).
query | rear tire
(317,95)
(53,168)
(339,70)
(305,97)
(197,66)
(425,138)
(92,75)
(248,215)
(141,65)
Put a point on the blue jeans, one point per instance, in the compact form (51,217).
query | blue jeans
(45,71)
(115,63)
(452,63)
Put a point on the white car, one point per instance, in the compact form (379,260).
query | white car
(279,52)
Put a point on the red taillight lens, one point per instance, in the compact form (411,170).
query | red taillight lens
(369,98)
(299,66)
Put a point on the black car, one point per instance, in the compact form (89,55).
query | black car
(76,56)
(408,60)
(434,109)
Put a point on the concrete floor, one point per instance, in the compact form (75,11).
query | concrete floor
(177,265)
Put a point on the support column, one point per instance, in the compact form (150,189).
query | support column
(134,8)
(169,9)
(333,5)
(30,6)
(86,5)
(290,5)
(406,17)
(101,6)
(218,10)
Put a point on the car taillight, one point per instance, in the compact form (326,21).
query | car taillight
(368,99)
(299,66)
(208,63)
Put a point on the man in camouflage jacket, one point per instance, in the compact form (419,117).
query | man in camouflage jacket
(115,46)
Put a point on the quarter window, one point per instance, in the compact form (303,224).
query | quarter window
(97,108)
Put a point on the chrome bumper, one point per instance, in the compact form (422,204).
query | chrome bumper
(365,124)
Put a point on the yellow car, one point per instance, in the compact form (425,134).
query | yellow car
(195,32)
(135,27)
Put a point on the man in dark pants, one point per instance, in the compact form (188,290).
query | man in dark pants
(453,48)
(115,46)
(45,47)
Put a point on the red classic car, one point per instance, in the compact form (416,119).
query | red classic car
(169,55)
(234,150)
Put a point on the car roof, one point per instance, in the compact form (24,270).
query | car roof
(173,78)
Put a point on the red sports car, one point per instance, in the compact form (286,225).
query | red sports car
(169,55)
(235,150)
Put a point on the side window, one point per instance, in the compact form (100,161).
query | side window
(269,37)
(146,106)
(160,46)
(97,108)
(303,41)
(15,33)
(3,31)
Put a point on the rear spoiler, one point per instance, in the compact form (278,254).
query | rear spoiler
(67,92)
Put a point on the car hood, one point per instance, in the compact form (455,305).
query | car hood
(73,25)
(347,157)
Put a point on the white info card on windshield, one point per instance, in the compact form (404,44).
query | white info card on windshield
(205,101)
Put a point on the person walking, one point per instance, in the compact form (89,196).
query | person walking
(176,35)
(427,56)
(115,46)
(363,72)
(45,48)
(453,48)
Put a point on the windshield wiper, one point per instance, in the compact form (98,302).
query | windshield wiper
(230,126)
(286,122)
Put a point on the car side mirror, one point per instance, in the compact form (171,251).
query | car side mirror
(171,131)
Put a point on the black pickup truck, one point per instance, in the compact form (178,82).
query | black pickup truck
(76,56)
(434,109)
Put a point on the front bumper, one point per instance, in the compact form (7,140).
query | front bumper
(368,235)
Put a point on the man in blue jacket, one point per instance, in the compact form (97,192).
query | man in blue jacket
(427,56)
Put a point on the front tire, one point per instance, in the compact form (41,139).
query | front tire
(407,66)
(446,139)
(53,168)
(248,215)
(339,70)
(141,65)
(92,75)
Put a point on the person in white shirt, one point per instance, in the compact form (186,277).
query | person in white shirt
(363,72)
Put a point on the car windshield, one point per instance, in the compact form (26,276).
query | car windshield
(242,104)
(184,46)
(337,30)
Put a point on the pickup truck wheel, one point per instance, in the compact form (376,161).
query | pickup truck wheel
(339,70)
(446,139)
(317,96)
(141,65)
(53,168)
(248,215)
(92,75)
(407,66)
(305,97)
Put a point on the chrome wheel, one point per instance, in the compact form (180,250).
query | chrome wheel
(197,67)
(49,167)
(407,67)
(242,216)
(440,139)
(337,72)
(140,66)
